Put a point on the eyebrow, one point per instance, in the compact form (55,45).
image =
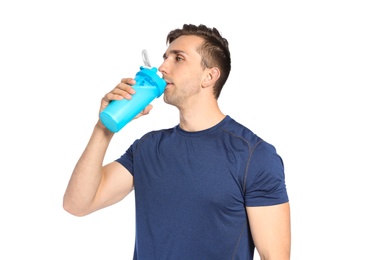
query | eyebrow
(174,52)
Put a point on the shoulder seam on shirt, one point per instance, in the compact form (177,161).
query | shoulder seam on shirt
(251,150)
(248,162)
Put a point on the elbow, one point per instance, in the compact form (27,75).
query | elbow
(74,212)
(73,209)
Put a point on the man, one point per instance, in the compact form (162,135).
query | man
(208,188)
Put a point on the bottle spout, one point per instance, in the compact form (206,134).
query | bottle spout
(145,59)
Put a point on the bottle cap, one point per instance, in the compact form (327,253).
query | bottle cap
(151,73)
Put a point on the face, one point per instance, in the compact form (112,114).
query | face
(183,71)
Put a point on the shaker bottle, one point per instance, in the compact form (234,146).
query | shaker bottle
(149,85)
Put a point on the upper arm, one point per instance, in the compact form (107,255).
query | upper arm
(116,183)
(271,230)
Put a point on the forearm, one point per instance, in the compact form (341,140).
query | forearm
(87,174)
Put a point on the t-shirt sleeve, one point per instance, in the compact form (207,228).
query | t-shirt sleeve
(265,178)
(127,158)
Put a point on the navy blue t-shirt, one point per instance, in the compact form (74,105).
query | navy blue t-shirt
(191,190)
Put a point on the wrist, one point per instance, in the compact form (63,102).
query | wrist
(101,127)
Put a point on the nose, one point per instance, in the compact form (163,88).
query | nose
(163,68)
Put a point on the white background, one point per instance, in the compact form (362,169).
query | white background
(297,80)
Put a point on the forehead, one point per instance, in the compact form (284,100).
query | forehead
(185,43)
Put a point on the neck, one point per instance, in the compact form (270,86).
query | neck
(200,116)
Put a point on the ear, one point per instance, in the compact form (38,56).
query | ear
(211,77)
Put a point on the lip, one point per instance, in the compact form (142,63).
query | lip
(168,81)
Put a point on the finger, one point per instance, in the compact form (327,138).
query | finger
(145,111)
(115,94)
(125,86)
(122,90)
(128,81)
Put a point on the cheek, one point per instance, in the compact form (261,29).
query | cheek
(191,75)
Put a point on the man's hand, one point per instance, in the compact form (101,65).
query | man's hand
(121,91)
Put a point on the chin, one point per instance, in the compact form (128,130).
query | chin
(167,99)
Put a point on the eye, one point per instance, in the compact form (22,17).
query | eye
(178,58)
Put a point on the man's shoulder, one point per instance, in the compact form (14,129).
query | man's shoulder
(240,131)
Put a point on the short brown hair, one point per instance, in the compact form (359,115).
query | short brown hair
(214,50)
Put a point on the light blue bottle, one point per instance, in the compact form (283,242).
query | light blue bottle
(149,85)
